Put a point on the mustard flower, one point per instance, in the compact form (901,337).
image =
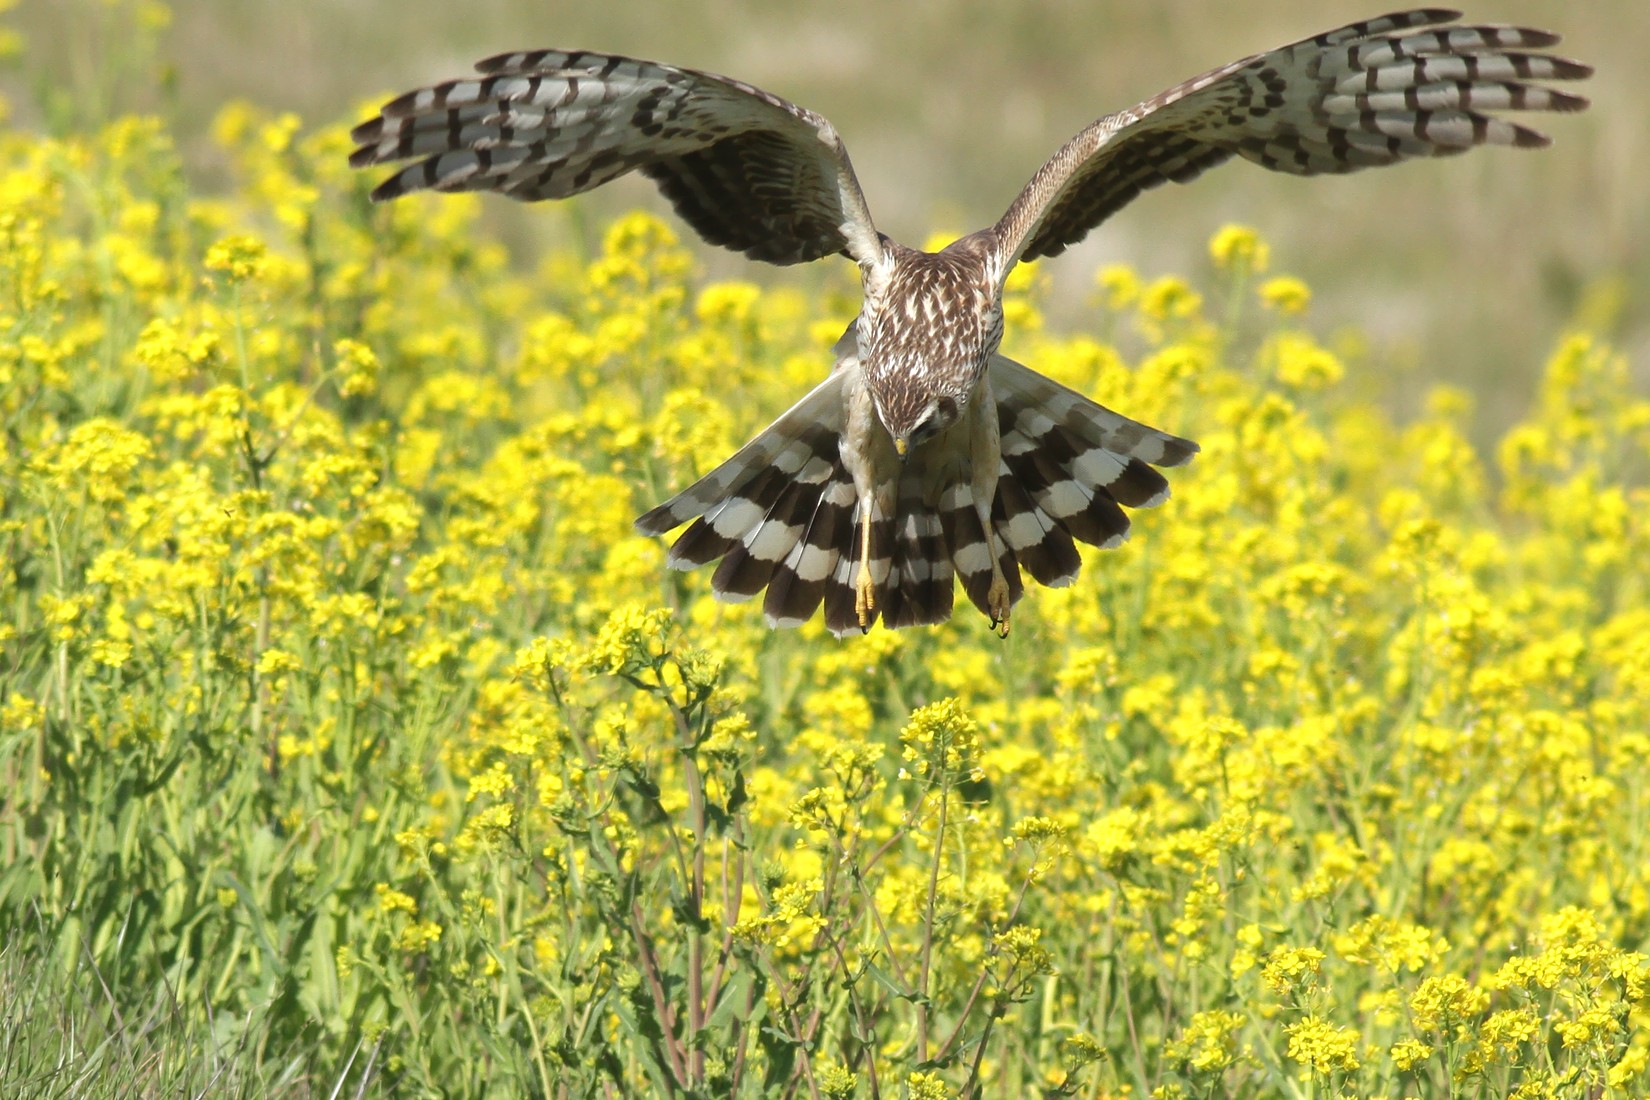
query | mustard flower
(1321,1046)
(418,937)
(1170,298)
(1299,362)
(1039,830)
(1208,1044)
(1286,294)
(630,639)
(1409,1053)
(1115,837)
(1119,286)
(1291,970)
(837,1082)
(20,712)
(1239,247)
(1393,944)
(1022,947)
(1441,1002)
(1630,1068)
(391,900)
(926,1086)
(1503,1033)
(242,257)
(99,459)
(941,739)
(359,367)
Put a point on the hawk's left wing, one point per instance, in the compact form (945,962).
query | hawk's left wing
(1366,94)
(746,169)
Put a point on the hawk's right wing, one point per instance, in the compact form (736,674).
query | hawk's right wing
(746,169)
(1366,94)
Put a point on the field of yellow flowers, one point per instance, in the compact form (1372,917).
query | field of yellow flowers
(354,744)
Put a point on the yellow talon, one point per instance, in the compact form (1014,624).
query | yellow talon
(865,598)
(865,589)
(997,600)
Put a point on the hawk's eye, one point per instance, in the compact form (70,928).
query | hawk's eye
(941,415)
(933,422)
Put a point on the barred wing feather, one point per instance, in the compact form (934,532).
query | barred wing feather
(748,170)
(1366,94)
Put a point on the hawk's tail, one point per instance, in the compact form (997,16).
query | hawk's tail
(779,514)
(1069,468)
(782,515)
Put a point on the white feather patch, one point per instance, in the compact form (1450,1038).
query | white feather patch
(973,558)
(774,540)
(736,517)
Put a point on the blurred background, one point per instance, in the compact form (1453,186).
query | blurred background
(1464,270)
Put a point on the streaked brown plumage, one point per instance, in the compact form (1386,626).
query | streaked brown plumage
(925,455)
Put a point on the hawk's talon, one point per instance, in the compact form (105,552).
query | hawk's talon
(865,589)
(998,603)
(865,596)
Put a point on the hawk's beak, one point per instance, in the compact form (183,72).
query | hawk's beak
(899,446)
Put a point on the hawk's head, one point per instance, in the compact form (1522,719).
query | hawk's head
(936,415)
(930,325)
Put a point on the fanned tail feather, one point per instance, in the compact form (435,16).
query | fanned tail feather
(782,516)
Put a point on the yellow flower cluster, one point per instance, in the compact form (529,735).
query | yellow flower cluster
(321,580)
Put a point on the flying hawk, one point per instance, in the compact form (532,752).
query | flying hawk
(926,455)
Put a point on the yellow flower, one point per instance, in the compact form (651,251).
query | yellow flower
(1119,285)
(20,713)
(1208,1044)
(1170,298)
(1289,970)
(418,937)
(1239,247)
(629,639)
(494,781)
(1321,1046)
(98,458)
(1442,1001)
(391,900)
(1038,830)
(241,256)
(941,739)
(728,304)
(1022,947)
(926,1086)
(1409,1053)
(1286,294)
(1301,363)
(360,367)
(273,662)
(110,652)
(837,1082)
(170,355)
(1504,1032)
(1630,1067)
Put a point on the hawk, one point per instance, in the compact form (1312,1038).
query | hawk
(925,456)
